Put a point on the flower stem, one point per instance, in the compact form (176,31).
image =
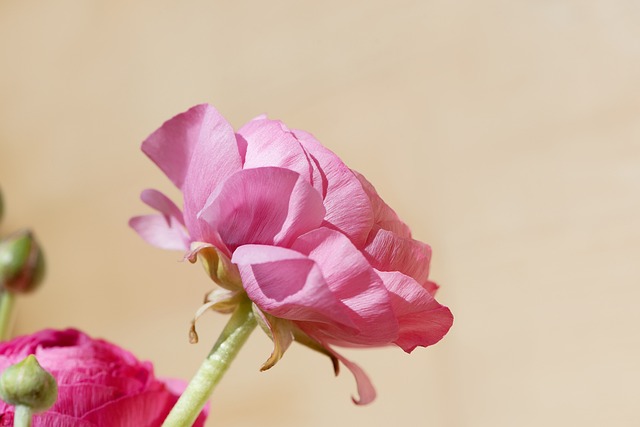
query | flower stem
(22,416)
(7,299)
(234,335)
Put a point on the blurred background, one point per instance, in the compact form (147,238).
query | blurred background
(506,133)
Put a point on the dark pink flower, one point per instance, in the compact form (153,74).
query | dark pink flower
(274,214)
(99,384)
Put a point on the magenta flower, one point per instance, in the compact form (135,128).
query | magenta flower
(279,218)
(99,384)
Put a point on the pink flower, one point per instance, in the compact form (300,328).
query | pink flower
(274,214)
(99,384)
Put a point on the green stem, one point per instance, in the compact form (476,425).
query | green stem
(6,309)
(22,416)
(234,335)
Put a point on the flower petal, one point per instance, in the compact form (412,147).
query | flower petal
(171,146)
(348,206)
(383,216)
(366,391)
(263,206)
(287,284)
(162,204)
(388,251)
(161,232)
(423,321)
(197,150)
(353,281)
(270,143)
(50,418)
(148,408)
(216,156)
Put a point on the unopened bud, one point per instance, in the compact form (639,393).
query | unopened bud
(21,263)
(28,384)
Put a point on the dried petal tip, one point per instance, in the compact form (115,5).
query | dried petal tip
(21,263)
(27,384)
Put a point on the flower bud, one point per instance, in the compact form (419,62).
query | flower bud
(28,384)
(21,263)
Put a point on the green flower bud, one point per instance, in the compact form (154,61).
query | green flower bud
(27,384)
(21,263)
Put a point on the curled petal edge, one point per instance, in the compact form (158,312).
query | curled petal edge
(366,390)
(220,300)
(160,202)
(160,231)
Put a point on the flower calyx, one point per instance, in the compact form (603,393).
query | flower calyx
(217,265)
(220,300)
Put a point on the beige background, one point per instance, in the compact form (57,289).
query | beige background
(506,133)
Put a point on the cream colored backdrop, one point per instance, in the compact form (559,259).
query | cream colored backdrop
(506,133)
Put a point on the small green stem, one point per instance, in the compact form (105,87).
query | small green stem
(22,416)
(234,335)
(6,309)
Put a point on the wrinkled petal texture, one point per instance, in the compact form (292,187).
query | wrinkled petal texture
(352,280)
(387,251)
(422,320)
(263,206)
(99,384)
(287,284)
(270,143)
(383,216)
(197,150)
(348,207)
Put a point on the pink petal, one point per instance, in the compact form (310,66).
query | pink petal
(366,391)
(197,150)
(52,419)
(157,231)
(348,206)
(383,215)
(171,146)
(431,287)
(388,251)
(270,143)
(94,395)
(216,156)
(148,409)
(263,206)
(286,284)
(353,281)
(162,204)
(423,321)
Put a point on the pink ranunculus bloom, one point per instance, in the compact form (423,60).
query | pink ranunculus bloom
(279,218)
(99,384)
